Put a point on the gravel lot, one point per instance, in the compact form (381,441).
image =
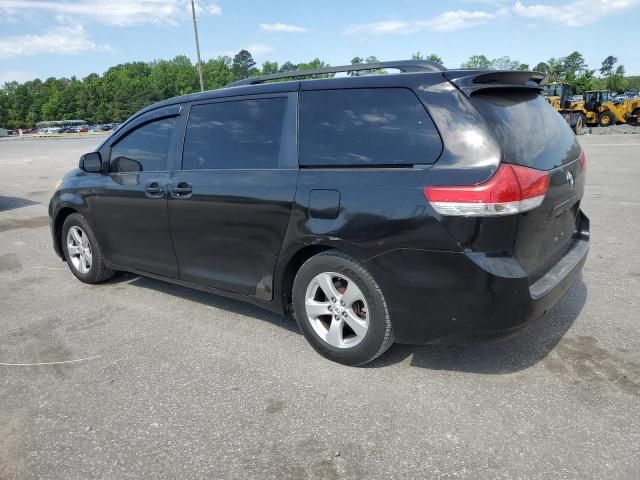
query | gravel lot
(613,130)
(168,382)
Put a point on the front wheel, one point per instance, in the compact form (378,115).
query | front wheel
(607,118)
(577,128)
(341,310)
(82,252)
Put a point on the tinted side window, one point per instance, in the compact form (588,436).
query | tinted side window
(373,126)
(236,134)
(144,149)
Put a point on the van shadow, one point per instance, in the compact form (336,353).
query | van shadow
(510,355)
(208,299)
(516,353)
(11,203)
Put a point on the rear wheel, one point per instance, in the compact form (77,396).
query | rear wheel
(607,118)
(636,114)
(82,252)
(340,309)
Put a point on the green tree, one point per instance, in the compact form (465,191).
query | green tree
(217,72)
(287,67)
(127,88)
(124,89)
(360,60)
(608,64)
(477,62)
(314,64)
(504,63)
(555,71)
(169,78)
(269,68)
(573,66)
(584,82)
(431,57)
(4,107)
(243,65)
(616,82)
(633,83)
(541,67)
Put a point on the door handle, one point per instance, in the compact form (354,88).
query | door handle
(154,190)
(182,190)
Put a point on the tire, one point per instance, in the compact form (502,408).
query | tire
(82,235)
(330,331)
(636,114)
(607,118)
(577,128)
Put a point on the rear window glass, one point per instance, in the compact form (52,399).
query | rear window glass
(531,132)
(366,127)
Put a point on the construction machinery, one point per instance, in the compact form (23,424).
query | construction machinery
(601,108)
(559,96)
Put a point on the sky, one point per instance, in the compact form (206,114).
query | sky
(44,38)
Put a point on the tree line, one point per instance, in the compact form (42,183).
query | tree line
(124,89)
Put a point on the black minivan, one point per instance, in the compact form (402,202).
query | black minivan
(424,206)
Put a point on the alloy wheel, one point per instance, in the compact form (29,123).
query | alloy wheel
(337,310)
(79,249)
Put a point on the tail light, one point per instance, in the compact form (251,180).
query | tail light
(583,159)
(512,189)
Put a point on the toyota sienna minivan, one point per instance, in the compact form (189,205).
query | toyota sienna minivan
(424,206)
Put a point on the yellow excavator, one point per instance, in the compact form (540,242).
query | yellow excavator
(601,108)
(559,96)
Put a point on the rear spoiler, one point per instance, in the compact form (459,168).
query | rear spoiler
(472,81)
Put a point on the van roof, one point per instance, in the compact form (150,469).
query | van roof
(293,80)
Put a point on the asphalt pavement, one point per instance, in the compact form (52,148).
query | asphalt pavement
(141,379)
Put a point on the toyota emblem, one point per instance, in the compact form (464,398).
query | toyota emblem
(570,180)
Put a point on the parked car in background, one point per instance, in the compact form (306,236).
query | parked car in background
(431,206)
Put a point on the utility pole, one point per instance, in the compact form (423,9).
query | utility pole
(195,30)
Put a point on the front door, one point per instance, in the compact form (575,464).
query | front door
(229,205)
(130,204)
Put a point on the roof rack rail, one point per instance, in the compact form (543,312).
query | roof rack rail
(405,66)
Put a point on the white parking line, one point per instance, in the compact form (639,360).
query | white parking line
(47,363)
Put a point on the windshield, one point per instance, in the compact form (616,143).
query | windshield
(554,90)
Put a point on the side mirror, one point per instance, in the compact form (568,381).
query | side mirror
(91,162)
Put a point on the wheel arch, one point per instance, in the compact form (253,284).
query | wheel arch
(58,222)
(291,269)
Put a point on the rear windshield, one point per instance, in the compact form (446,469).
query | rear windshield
(366,127)
(531,132)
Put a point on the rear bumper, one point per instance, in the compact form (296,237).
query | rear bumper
(447,297)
